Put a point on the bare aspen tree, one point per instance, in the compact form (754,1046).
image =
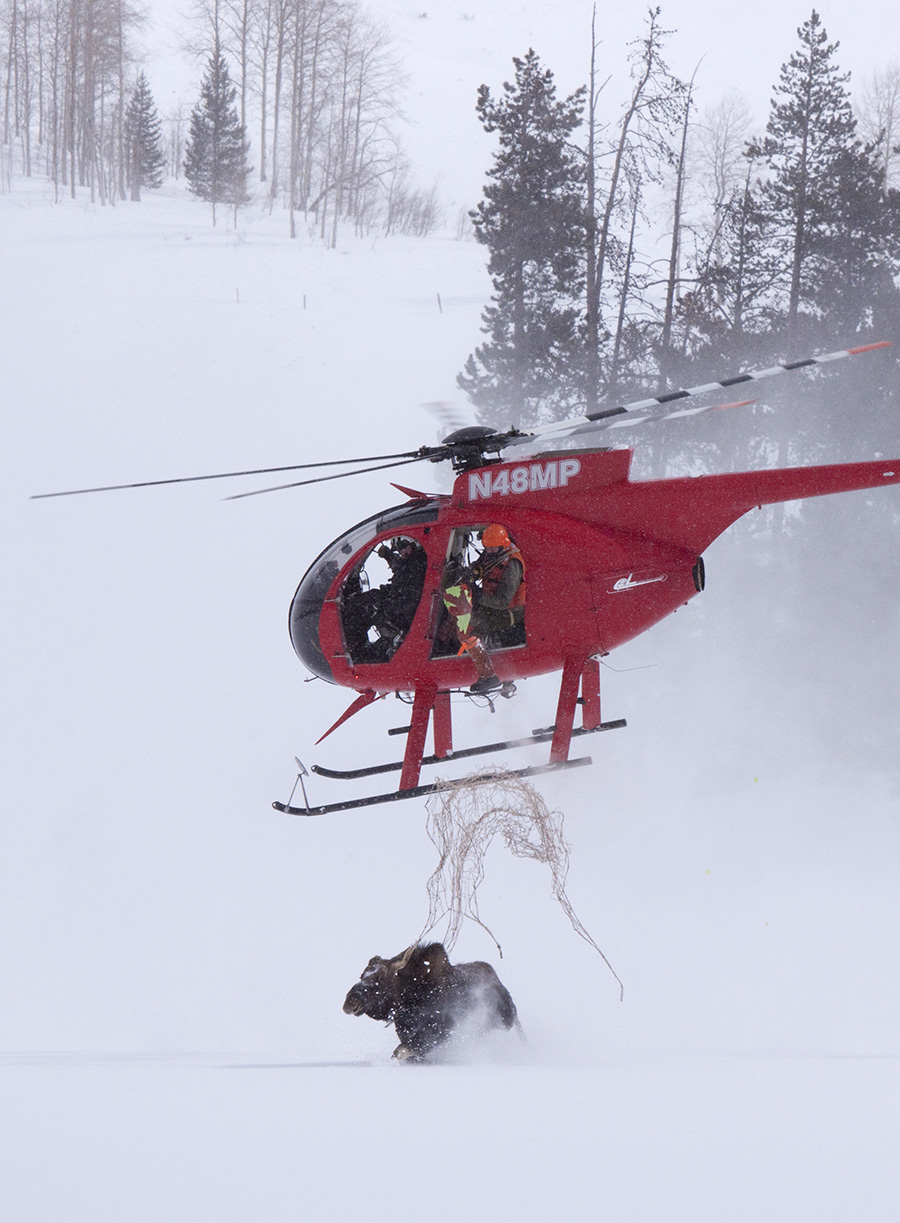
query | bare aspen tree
(639,140)
(39,74)
(238,19)
(314,154)
(675,247)
(280,16)
(262,41)
(56,51)
(718,159)
(409,210)
(878,116)
(26,85)
(592,300)
(624,291)
(120,109)
(10,75)
(19,25)
(176,124)
(297,76)
(374,110)
(309,31)
(356,105)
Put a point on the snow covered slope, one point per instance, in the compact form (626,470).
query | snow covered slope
(175,954)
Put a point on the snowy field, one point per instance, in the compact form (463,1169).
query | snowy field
(175,954)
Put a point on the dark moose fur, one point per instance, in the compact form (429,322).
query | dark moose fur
(427,998)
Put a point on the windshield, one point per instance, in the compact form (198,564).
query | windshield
(306,607)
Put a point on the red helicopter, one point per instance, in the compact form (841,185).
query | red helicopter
(392,606)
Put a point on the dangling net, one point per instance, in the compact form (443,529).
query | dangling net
(464,819)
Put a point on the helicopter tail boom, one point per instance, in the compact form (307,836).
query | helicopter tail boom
(691,512)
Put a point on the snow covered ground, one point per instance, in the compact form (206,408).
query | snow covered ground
(175,954)
(709,1139)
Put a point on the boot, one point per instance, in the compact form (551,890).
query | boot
(487,681)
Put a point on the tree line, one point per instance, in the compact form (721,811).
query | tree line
(316,82)
(320,83)
(628,254)
(68,76)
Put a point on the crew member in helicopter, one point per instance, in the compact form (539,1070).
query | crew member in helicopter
(400,596)
(499,575)
(388,609)
(487,600)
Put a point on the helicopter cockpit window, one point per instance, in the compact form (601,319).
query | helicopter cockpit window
(379,598)
(310,596)
(483,592)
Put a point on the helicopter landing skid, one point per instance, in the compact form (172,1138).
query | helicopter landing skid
(435,788)
(539,736)
(429,701)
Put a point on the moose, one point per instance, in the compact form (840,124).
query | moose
(428,999)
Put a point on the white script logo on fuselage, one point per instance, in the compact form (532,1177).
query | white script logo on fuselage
(631,581)
(529,478)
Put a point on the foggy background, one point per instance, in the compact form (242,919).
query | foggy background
(175,953)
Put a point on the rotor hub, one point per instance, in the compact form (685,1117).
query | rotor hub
(469,448)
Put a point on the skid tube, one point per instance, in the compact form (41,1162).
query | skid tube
(435,788)
(538,736)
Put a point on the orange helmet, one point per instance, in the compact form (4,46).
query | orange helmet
(495,536)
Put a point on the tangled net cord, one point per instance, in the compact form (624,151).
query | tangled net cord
(463,820)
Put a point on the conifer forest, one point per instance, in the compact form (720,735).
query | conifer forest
(682,239)
(634,232)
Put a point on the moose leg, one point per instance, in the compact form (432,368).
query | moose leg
(403,1053)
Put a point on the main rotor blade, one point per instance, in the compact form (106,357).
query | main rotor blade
(656,407)
(654,417)
(229,475)
(340,475)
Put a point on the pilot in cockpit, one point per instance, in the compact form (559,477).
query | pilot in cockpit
(376,621)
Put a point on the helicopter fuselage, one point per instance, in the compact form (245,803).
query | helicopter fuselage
(606,558)
(590,586)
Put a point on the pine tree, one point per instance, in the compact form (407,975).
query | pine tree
(826,216)
(144,157)
(215,163)
(532,220)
